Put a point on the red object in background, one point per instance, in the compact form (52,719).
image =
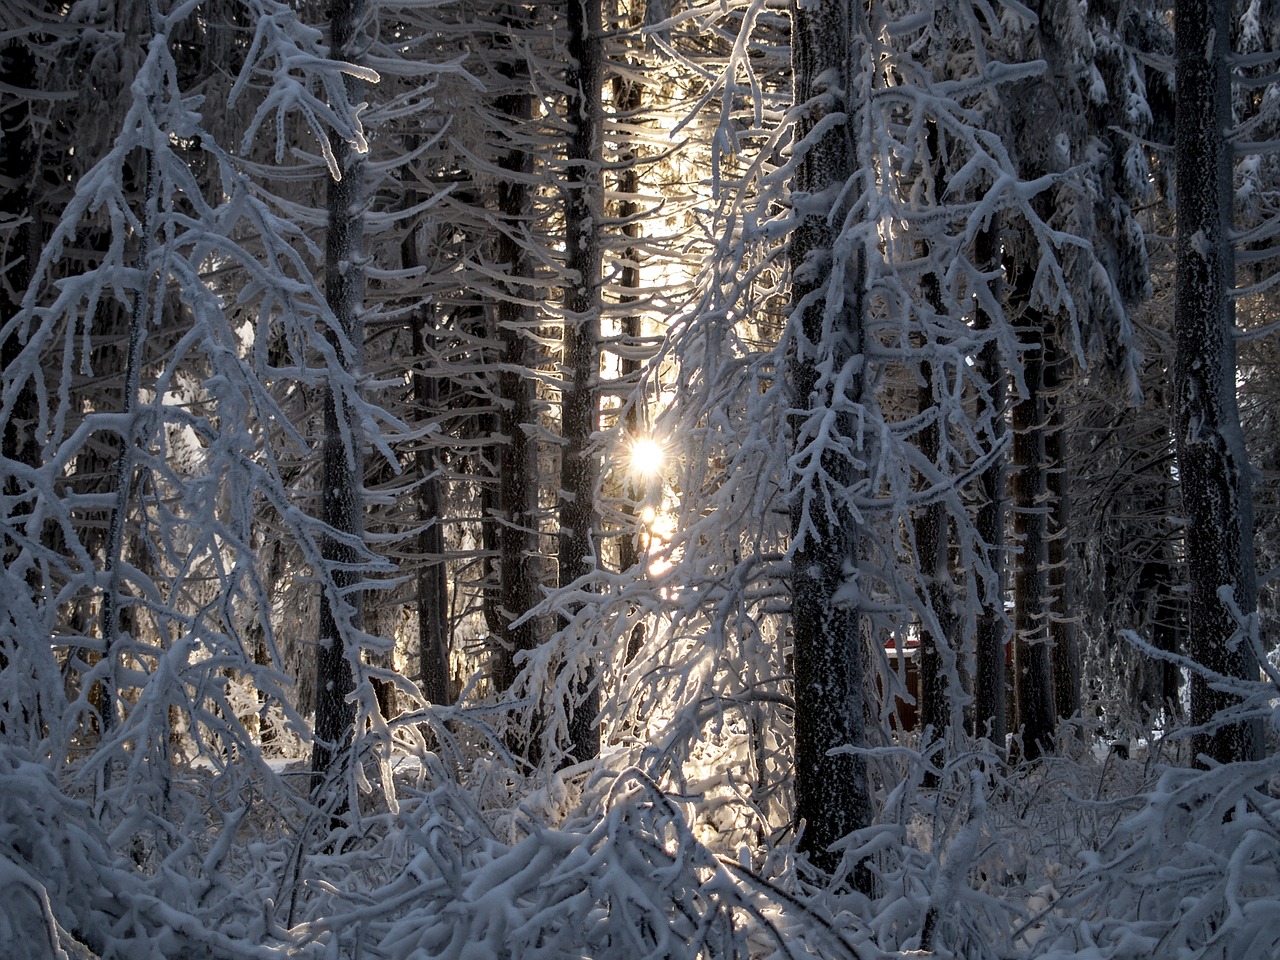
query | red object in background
(907,715)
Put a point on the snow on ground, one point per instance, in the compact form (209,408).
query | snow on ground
(1092,856)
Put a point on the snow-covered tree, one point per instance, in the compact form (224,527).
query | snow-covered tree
(1213,468)
(580,400)
(825,371)
(263,389)
(342,453)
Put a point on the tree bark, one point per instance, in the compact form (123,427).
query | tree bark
(939,662)
(431,596)
(937,649)
(114,608)
(1213,464)
(1061,583)
(21,246)
(832,796)
(627,99)
(1034,678)
(584,209)
(431,583)
(18,161)
(517,494)
(992,631)
(342,458)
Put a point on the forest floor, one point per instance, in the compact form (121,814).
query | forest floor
(1094,854)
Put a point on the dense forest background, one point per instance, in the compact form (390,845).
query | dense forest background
(606,478)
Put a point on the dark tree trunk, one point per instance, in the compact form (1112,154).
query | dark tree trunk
(1034,678)
(516,497)
(1156,681)
(939,662)
(1061,583)
(115,613)
(1168,620)
(1045,111)
(21,246)
(1212,461)
(628,97)
(992,631)
(584,208)
(430,581)
(431,584)
(18,161)
(342,460)
(832,796)
(937,650)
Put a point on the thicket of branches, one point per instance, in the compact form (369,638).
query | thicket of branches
(341,617)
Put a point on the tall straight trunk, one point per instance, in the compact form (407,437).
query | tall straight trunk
(628,97)
(21,249)
(1034,679)
(1155,684)
(516,497)
(1061,584)
(937,651)
(832,796)
(992,630)
(1168,616)
(1213,467)
(430,583)
(584,208)
(627,100)
(1048,118)
(115,611)
(113,608)
(342,450)
(939,662)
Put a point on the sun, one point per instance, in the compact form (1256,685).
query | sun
(646,457)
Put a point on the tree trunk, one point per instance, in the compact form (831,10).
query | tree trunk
(517,493)
(584,209)
(1034,679)
(263,611)
(992,632)
(342,452)
(1061,583)
(938,659)
(431,584)
(21,248)
(627,99)
(937,651)
(832,796)
(1213,467)
(114,609)
(939,662)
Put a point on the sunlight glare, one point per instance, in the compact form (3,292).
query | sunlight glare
(646,456)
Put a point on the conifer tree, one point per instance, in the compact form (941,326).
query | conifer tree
(1213,467)
(342,455)
(580,404)
(832,792)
